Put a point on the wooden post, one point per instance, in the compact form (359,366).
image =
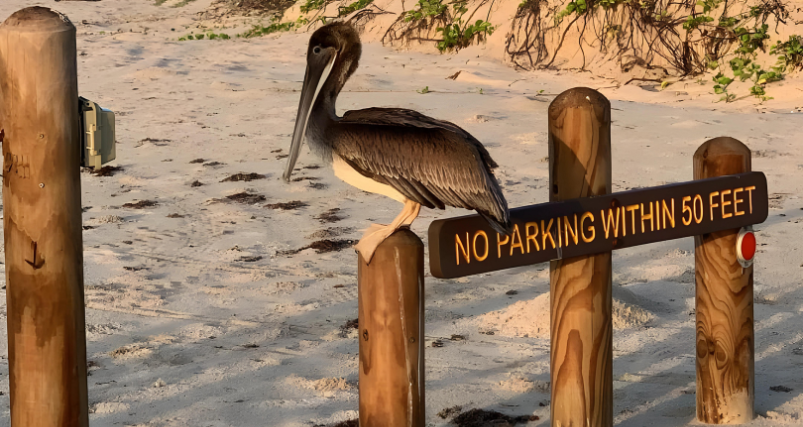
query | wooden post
(42,219)
(725,354)
(581,353)
(391,307)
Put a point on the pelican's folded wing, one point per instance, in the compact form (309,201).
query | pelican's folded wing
(433,162)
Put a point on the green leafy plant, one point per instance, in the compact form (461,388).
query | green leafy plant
(728,97)
(259,30)
(210,36)
(426,9)
(424,90)
(311,5)
(722,83)
(579,7)
(458,35)
(692,22)
(357,5)
(790,53)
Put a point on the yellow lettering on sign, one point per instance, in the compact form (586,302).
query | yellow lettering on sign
(736,202)
(611,222)
(474,245)
(712,203)
(567,228)
(546,232)
(531,237)
(516,237)
(671,213)
(657,215)
(560,235)
(697,219)
(658,225)
(646,217)
(588,215)
(725,203)
(459,248)
(750,196)
(499,244)
(686,209)
(632,210)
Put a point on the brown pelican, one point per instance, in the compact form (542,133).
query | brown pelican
(399,153)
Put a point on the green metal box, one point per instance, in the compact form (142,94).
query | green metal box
(97,124)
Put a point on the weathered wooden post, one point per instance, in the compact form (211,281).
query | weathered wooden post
(391,318)
(581,359)
(42,219)
(725,354)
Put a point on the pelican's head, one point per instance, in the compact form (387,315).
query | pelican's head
(332,56)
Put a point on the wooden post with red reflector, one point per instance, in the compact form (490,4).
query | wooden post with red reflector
(725,345)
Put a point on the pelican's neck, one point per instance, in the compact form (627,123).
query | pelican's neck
(321,119)
(324,113)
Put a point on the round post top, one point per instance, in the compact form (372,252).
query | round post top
(580,97)
(37,19)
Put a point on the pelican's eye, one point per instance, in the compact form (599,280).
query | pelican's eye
(316,50)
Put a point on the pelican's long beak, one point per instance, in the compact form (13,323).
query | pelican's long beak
(318,68)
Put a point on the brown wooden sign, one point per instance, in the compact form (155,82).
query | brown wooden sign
(467,245)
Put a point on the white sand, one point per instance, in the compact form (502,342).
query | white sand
(183,332)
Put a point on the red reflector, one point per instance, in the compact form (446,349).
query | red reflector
(748,246)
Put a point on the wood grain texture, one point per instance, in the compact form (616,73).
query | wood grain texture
(391,324)
(42,219)
(581,358)
(725,353)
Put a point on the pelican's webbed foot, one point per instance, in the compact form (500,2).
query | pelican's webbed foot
(377,233)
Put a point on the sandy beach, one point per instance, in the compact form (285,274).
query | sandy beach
(227,300)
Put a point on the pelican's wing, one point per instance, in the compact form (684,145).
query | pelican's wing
(430,161)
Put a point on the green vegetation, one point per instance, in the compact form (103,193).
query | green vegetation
(357,5)
(424,90)
(426,9)
(276,27)
(182,3)
(311,5)
(744,66)
(259,30)
(460,34)
(790,53)
(456,34)
(732,43)
(201,36)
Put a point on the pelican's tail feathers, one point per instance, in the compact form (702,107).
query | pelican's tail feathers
(500,227)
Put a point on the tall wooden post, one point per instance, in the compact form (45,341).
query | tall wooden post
(391,307)
(42,219)
(581,353)
(725,354)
